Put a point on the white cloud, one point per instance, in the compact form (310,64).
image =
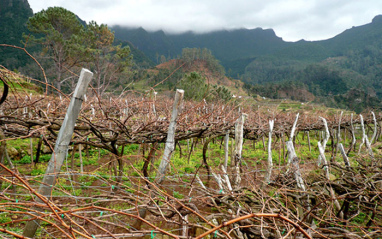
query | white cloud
(291,19)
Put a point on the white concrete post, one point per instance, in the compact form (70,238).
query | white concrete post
(294,127)
(270,163)
(344,156)
(170,142)
(325,140)
(238,148)
(365,139)
(226,150)
(375,128)
(339,133)
(61,148)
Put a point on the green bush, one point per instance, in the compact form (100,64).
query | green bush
(25,160)
(45,158)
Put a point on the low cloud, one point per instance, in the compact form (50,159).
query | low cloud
(291,19)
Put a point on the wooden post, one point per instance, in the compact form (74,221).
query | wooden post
(352,145)
(308,133)
(291,140)
(232,152)
(169,149)
(375,128)
(170,142)
(38,152)
(321,149)
(283,146)
(188,145)
(325,140)
(270,163)
(344,156)
(338,134)
(31,150)
(3,151)
(62,143)
(81,162)
(72,164)
(327,175)
(294,128)
(87,151)
(226,149)
(365,139)
(294,161)
(239,127)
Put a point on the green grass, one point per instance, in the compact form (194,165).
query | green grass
(178,195)
(19,84)
(24,160)
(4,218)
(130,149)
(38,170)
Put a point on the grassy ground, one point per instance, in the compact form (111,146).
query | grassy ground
(99,176)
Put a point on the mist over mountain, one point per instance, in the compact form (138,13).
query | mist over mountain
(330,71)
(237,48)
(227,46)
(326,68)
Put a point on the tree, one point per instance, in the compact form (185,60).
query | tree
(60,32)
(220,93)
(13,16)
(162,59)
(189,55)
(330,81)
(194,86)
(106,60)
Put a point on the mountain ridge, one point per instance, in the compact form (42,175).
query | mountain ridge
(329,69)
(230,46)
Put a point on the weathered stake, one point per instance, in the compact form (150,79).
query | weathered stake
(325,140)
(238,148)
(62,143)
(270,163)
(365,140)
(226,149)
(170,142)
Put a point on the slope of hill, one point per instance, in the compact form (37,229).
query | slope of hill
(355,37)
(167,76)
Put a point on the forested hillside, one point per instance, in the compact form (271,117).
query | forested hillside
(328,71)
(333,70)
(13,18)
(232,48)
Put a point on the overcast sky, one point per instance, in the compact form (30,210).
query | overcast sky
(291,19)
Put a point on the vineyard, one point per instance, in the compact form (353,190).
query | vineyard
(152,166)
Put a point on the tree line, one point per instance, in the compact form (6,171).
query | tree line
(67,44)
